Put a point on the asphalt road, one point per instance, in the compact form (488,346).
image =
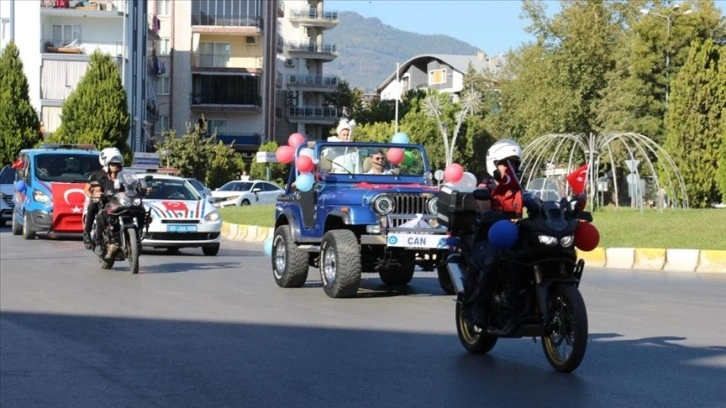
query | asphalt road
(196,331)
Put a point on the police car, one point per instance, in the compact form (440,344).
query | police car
(181,217)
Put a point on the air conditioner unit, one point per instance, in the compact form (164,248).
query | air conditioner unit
(289,62)
(291,102)
(291,94)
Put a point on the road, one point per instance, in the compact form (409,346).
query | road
(196,331)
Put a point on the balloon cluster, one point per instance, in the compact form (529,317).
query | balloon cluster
(456,177)
(304,162)
(396,155)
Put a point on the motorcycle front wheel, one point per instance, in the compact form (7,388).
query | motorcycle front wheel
(474,339)
(132,246)
(565,339)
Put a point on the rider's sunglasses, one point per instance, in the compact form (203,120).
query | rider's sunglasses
(377,158)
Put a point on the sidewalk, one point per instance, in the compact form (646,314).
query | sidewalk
(652,259)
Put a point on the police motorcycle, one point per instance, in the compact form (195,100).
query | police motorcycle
(125,218)
(535,289)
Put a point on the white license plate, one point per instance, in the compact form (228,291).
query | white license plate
(181,228)
(416,240)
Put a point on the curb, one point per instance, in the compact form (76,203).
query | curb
(650,259)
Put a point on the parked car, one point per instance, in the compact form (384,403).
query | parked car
(200,187)
(7,177)
(238,193)
(181,217)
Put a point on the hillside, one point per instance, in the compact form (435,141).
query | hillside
(369,49)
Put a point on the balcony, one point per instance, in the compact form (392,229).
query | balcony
(311,17)
(312,82)
(77,47)
(311,50)
(225,101)
(223,62)
(241,141)
(227,24)
(97,8)
(312,115)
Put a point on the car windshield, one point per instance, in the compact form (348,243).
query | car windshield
(236,186)
(196,184)
(66,167)
(373,160)
(170,189)
(7,175)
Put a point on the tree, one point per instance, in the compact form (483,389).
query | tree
(19,124)
(96,111)
(694,121)
(434,107)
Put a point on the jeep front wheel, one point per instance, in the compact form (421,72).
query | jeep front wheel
(289,263)
(340,266)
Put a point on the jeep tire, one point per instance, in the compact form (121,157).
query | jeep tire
(340,265)
(399,274)
(289,263)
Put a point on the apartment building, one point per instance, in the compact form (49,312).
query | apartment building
(55,39)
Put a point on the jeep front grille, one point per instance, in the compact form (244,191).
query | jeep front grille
(410,209)
(409,204)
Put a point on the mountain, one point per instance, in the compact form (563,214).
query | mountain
(369,49)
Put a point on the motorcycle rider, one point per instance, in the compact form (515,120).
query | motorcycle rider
(502,160)
(99,181)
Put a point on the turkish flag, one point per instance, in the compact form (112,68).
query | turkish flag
(507,182)
(69,199)
(17,164)
(174,205)
(577,179)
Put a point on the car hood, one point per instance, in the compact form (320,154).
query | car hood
(358,193)
(7,189)
(183,209)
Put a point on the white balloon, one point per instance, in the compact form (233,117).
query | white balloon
(468,180)
(306,151)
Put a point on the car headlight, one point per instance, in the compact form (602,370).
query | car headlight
(547,240)
(433,205)
(383,205)
(41,197)
(567,241)
(212,216)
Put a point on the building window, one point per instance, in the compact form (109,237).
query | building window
(437,76)
(164,46)
(217,126)
(163,124)
(162,86)
(214,54)
(162,7)
(66,34)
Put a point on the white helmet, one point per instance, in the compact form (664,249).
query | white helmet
(110,155)
(502,149)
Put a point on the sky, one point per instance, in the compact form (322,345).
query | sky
(493,26)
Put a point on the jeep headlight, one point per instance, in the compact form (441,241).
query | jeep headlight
(432,205)
(383,205)
(547,240)
(567,241)
(212,216)
(41,197)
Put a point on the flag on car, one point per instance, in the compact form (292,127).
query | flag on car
(577,179)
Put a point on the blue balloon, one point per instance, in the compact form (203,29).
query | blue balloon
(503,234)
(268,247)
(304,181)
(400,137)
(20,186)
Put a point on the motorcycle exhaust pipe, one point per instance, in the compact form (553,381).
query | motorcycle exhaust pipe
(457,278)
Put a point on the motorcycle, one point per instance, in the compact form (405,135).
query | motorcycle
(125,218)
(535,288)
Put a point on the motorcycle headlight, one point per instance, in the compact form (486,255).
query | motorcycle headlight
(383,205)
(433,205)
(137,201)
(547,240)
(123,200)
(41,197)
(567,241)
(212,216)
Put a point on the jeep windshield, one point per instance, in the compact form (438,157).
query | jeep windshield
(373,159)
(66,167)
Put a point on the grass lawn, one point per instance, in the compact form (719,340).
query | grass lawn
(623,227)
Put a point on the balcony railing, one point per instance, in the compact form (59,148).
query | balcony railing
(114,48)
(312,112)
(226,21)
(313,47)
(215,98)
(240,139)
(224,60)
(88,5)
(313,80)
(314,14)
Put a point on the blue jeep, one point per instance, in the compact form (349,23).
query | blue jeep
(362,214)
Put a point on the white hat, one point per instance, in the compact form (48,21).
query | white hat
(342,125)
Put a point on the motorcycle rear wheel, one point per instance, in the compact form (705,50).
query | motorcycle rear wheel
(474,339)
(132,245)
(565,343)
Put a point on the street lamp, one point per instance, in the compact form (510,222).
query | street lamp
(668,18)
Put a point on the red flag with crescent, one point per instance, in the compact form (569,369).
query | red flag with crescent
(577,179)
(174,205)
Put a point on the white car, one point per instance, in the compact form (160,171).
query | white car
(238,193)
(7,189)
(180,216)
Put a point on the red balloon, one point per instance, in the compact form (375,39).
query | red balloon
(296,139)
(587,237)
(454,173)
(304,164)
(284,154)
(395,155)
